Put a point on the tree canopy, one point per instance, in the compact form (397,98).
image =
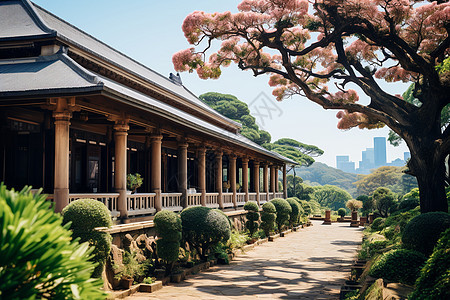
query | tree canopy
(326,50)
(231,107)
(331,196)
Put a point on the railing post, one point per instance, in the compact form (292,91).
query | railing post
(219,178)
(232,159)
(245,177)
(156,141)
(256,179)
(266,180)
(182,172)
(62,116)
(202,174)
(120,163)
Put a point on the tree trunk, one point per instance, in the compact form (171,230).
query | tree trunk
(428,166)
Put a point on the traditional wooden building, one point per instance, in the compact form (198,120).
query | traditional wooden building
(77,116)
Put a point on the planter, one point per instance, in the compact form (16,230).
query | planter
(252,241)
(150,288)
(126,282)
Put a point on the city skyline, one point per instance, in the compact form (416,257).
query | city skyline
(371,158)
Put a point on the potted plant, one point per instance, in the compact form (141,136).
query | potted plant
(134,181)
(226,186)
(238,187)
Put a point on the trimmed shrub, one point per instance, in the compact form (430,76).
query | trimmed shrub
(434,279)
(400,265)
(204,227)
(296,209)
(268,216)
(85,215)
(252,217)
(283,211)
(408,204)
(168,228)
(423,231)
(341,212)
(39,259)
(401,218)
(306,207)
(378,224)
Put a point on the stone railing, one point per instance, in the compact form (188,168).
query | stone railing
(171,201)
(252,197)
(194,199)
(141,204)
(271,196)
(279,195)
(212,200)
(110,200)
(262,197)
(227,199)
(240,199)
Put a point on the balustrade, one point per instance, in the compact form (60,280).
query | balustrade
(212,200)
(194,199)
(240,199)
(141,204)
(227,199)
(171,201)
(109,200)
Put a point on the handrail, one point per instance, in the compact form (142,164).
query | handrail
(141,204)
(171,201)
(108,199)
(227,199)
(212,200)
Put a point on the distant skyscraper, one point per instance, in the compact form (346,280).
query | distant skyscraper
(379,144)
(343,163)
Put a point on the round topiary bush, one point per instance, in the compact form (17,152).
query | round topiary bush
(400,265)
(268,216)
(203,228)
(342,212)
(434,279)
(378,224)
(39,259)
(86,215)
(252,217)
(296,209)
(423,231)
(283,211)
(168,228)
(306,207)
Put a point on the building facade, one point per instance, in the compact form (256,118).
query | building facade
(77,116)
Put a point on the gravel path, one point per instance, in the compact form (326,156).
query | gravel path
(308,264)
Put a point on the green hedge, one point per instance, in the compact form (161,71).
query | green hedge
(203,228)
(85,215)
(296,211)
(423,231)
(434,279)
(168,228)
(252,217)
(283,211)
(377,224)
(268,216)
(39,259)
(400,265)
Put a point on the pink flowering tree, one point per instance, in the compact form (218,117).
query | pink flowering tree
(321,49)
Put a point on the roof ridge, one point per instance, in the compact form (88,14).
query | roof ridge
(29,6)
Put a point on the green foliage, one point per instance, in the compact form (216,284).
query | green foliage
(38,257)
(321,174)
(134,181)
(149,280)
(434,279)
(331,196)
(400,219)
(252,216)
(283,211)
(203,228)
(384,200)
(306,207)
(353,204)
(368,204)
(388,176)
(132,268)
(341,212)
(302,191)
(378,224)
(296,210)
(400,265)
(268,216)
(410,200)
(85,215)
(237,240)
(423,231)
(299,152)
(168,228)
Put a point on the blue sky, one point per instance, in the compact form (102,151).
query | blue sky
(150,32)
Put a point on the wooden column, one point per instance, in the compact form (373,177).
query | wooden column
(285,181)
(182,172)
(245,177)
(120,165)
(277,189)
(256,179)
(219,188)
(232,175)
(272,180)
(61,183)
(266,180)
(156,141)
(202,174)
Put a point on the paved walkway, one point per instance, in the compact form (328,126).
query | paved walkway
(309,264)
